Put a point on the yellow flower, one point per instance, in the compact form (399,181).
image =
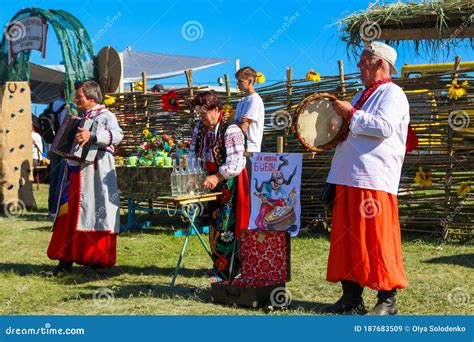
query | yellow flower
(457,90)
(227,110)
(109,100)
(260,78)
(464,188)
(313,76)
(153,139)
(146,132)
(423,178)
(139,86)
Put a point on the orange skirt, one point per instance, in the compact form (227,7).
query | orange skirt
(365,239)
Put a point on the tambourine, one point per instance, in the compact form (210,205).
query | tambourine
(316,124)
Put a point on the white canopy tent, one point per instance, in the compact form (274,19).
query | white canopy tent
(158,65)
(45,79)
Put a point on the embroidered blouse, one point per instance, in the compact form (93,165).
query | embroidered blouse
(234,145)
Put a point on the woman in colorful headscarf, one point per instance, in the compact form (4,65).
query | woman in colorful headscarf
(220,143)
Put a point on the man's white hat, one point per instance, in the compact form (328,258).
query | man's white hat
(385,52)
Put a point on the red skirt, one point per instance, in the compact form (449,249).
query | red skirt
(365,239)
(68,244)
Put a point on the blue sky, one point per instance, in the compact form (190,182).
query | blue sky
(230,29)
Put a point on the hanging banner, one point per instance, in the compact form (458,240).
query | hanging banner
(26,34)
(275,192)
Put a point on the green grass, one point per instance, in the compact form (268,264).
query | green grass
(139,284)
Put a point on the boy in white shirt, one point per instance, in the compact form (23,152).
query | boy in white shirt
(250,111)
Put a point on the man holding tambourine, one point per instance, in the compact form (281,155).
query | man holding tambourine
(365,234)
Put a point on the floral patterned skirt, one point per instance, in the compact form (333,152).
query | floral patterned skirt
(228,216)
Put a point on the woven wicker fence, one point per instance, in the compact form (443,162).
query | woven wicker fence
(443,126)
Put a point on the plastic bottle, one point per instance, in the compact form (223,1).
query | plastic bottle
(183,175)
(198,176)
(174,180)
(203,178)
(191,178)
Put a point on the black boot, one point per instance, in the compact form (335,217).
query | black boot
(62,268)
(386,304)
(351,299)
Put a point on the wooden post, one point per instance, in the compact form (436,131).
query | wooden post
(227,86)
(237,64)
(342,88)
(289,89)
(133,97)
(280,145)
(145,102)
(189,80)
(457,63)
(449,172)
(289,96)
(121,88)
(144,82)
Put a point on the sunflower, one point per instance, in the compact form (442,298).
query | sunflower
(423,178)
(457,90)
(464,188)
(260,78)
(313,76)
(139,86)
(227,110)
(109,100)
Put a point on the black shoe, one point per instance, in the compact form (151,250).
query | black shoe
(386,304)
(345,305)
(351,299)
(63,267)
(90,272)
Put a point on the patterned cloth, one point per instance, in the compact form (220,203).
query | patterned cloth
(264,255)
(265,259)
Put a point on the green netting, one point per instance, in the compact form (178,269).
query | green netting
(76,46)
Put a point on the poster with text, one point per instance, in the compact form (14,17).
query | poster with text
(275,192)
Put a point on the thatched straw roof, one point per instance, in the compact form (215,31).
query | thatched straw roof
(429,26)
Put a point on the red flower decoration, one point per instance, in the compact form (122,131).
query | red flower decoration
(169,101)
(221,263)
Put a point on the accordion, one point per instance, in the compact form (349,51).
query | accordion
(65,144)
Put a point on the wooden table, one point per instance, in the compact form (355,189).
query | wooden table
(191,206)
